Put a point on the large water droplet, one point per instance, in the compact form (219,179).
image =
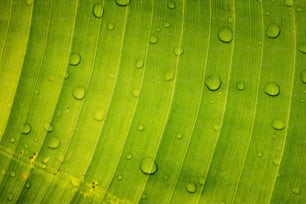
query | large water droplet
(272,88)
(26,128)
(295,190)
(273,30)
(123,2)
(78,92)
(171,5)
(213,82)
(97,10)
(148,166)
(178,51)
(225,34)
(288,3)
(98,114)
(302,48)
(191,187)
(54,142)
(139,64)
(153,40)
(240,85)
(278,124)
(303,76)
(75,59)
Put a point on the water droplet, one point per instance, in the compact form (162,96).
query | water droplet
(230,19)
(97,10)
(140,127)
(28,185)
(295,190)
(66,75)
(169,75)
(273,135)
(35,139)
(26,128)
(240,85)
(288,3)
(139,64)
(303,76)
(119,177)
(158,29)
(179,136)
(12,139)
(129,156)
(75,59)
(78,92)
(302,48)
(278,124)
(225,35)
(148,166)
(171,5)
(29,2)
(10,197)
(273,30)
(167,24)
(216,128)
(267,13)
(191,187)
(12,174)
(178,51)
(54,142)
(136,92)
(298,9)
(259,154)
(98,114)
(272,88)
(276,162)
(110,26)
(48,127)
(202,180)
(123,2)
(153,40)
(213,82)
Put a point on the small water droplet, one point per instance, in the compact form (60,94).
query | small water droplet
(202,180)
(12,174)
(136,92)
(273,135)
(123,2)
(153,40)
(171,5)
(179,136)
(178,51)
(267,13)
(259,154)
(191,187)
(298,9)
(158,29)
(97,10)
(225,35)
(53,142)
(272,88)
(35,139)
(48,127)
(28,185)
(140,127)
(213,82)
(216,127)
(230,19)
(169,75)
(10,197)
(148,166)
(66,75)
(288,2)
(12,139)
(278,124)
(139,64)
(75,59)
(129,156)
(119,177)
(110,26)
(295,190)
(167,24)
(276,162)
(273,30)
(98,114)
(78,92)
(302,48)
(240,85)
(259,1)
(303,76)
(26,128)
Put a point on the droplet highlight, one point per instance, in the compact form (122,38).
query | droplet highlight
(272,88)
(148,166)
(225,35)
(213,82)
(78,92)
(273,31)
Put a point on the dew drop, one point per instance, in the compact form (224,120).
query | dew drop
(54,142)
(272,88)
(97,10)
(276,162)
(178,51)
(139,64)
(298,9)
(288,2)
(66,75)
(202,180)
(110,26)
(12,139)
(171,5)
(302,48)
(296,190)
(12,174)
(48,127)
(129,156)
(140,127)
(26,128)
(119,177)
(148,166)
(75,59)
(167,24)
(216,127)
(78,92)
(259,154)
(98,114)
(225,35)
(240,85)
(267,13)
(123,2)
(303,76)
(179,136)
(153,40)
(10,197)
(278,124)
(273,30)
(29,2)
(28,185)
(213,82)
(136,92)
(169,75)
(35,139)
(191,187)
